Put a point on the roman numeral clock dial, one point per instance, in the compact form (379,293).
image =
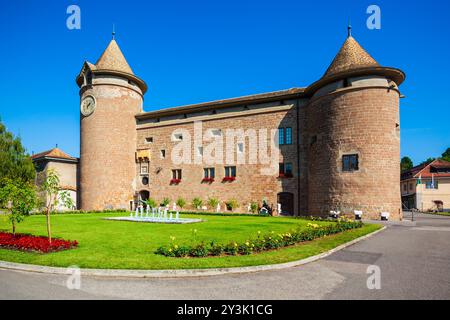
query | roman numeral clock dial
(88,106)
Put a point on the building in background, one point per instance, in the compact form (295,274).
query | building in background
(427,187)
(64,165)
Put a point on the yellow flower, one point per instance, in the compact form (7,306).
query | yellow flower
(175,246)
(172,238)
(247,243)
(170,250)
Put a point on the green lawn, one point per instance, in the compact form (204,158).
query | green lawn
(131,245)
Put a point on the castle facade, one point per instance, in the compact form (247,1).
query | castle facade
(332,145)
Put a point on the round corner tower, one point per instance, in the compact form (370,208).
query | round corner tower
(110,97)
(354,131)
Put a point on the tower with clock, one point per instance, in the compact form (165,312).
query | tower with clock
(110,97)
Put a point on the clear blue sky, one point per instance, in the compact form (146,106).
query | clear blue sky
(193,51)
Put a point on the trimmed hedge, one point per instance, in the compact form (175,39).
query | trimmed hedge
(261,243)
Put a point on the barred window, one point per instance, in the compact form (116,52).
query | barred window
(350,162)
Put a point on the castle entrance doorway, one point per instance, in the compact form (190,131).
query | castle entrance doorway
(144,195)
(286,200)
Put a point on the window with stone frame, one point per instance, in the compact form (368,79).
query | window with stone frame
(176,174)
(144,168)
(230,172)
(209,173)
(285,169)
(350,162)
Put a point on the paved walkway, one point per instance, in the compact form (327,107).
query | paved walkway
(414,260)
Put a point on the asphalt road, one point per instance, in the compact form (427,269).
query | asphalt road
(413,261)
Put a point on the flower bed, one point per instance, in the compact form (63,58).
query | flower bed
(24,242)
(261,243)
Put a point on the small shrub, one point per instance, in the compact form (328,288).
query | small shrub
(181,203)
(216,249)
(165,202)
(197,203)
(200,250)
(151,203)
(231,204)
(213,202)
(254,207)
(231,248)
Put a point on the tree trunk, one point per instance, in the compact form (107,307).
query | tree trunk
(49,231)
(13,228)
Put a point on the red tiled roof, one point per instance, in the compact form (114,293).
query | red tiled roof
(53,153)
(424,170)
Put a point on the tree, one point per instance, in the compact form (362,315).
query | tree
(16,164)
(446,155)
(429,160)
(19,198)
(53,196)
(406,164)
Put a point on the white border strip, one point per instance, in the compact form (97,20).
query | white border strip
(176,273)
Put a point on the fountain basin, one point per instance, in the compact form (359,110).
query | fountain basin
(156,220)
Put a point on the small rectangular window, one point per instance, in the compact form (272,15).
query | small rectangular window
(240,147)
(288,169)
(209,173)
(216,132)
(350,162)
(285,170)
(230,171)
(176,174)
(281,136)
(432,184)
(288,136)
(144,169)
(163,154)
(200,151)
(281,169)
(177,136)
(149,140)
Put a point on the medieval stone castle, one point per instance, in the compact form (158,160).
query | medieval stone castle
(338,141)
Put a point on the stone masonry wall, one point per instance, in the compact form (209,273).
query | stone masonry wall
(362,121)
(250,184)
(107,148)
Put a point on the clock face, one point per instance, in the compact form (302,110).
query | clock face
(87,106)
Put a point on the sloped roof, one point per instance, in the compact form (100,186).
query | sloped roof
(55,153)
(351,56)
(113,59)
(424,171)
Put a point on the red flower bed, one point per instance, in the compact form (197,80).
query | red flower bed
(210,180)
(26,242)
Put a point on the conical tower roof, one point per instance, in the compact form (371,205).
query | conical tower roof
(113,59)
(353,61)
(350,57)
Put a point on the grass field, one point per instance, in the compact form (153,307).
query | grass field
(131,245)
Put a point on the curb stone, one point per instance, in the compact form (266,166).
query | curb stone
(178,273)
